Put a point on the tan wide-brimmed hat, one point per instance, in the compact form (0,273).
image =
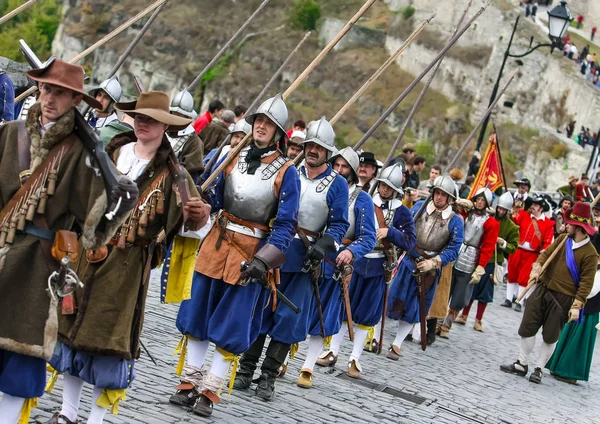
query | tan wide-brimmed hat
(65,75)
(154,104)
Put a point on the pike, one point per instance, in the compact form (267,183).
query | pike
(374,77)
(255,102)
(420,98)
(551,257)
(316,61)
(17,10)
(413,84)
(226,46)
(102,42)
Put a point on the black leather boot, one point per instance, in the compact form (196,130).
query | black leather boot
(248,363)
(275,356)
(431,326)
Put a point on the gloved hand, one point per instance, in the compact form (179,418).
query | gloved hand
(465,204)
(254,269)
(574,311)
(477,274)
(323,246)
(534,275)
(198,212)
(128,191)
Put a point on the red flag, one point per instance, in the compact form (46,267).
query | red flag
(490,171)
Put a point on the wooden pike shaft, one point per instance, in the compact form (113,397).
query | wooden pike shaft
(421,97)
(412,85)
(255,102)
(374,77)
(17,10)
(226,46)
(233,153)
(552,256)
(485,115)
(102,41)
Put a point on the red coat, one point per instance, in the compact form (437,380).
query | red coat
(202,121)
(580,194)
(527,231)
(491,229)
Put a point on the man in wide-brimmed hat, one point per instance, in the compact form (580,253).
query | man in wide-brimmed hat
(561,290)
(367,170)
(536,232)
(522,193)
(44,151)
(98,344)
(256,197)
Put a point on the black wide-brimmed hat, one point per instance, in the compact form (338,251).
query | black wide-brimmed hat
(523,181)
(369,159)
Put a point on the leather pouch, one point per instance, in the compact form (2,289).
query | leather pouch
(97,255)
(65,244)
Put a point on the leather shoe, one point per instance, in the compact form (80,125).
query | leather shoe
(203,406)
(393,353)
(354,369)
(327,359)
(305,379)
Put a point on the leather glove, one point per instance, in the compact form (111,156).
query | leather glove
(534,275)
(477,274)
(254,269)
(465,204)
(323,246)
(574,311)
(128,191)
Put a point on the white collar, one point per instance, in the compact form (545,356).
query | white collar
(393,204)
(445,213)
(44,128)
(351,188)
(187,130)
(577,245)
(541,218)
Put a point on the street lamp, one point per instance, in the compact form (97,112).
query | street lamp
(559,20)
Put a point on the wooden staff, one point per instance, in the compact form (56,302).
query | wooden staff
(17,10)
(102,42)
(255,102)
(413,84)
(551,257)
(226,46)
(420,98)
(374,77)
(233,153)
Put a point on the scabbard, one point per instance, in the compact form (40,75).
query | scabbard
(383,315)
(317,294)
(422,311)
(280,296)
(346,284)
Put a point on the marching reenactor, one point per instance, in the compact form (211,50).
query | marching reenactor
(561,292)
(565,203)
(99,344)
(322,222)
(108,94)
(480,236)
(522,194)
(536,232)
(439,233)
(256,198)
(373,271)
(505,244)
(45,188)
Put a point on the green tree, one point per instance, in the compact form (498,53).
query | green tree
(304,14)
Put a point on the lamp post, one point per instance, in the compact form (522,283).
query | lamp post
(559,20)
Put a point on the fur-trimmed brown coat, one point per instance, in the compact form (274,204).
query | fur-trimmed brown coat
(110,308)
(28,318)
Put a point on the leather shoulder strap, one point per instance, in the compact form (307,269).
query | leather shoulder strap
(536,230)
(382,224)
(24,147)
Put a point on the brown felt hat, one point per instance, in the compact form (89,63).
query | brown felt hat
(65,75)
(154,104)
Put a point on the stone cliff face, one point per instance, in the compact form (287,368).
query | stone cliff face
(188,34)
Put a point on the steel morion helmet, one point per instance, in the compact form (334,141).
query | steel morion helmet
(241,126)
(183,103)
(350,156)
(112,87)
(274,109)
(445,184)
(487,194)
(321,133)
(506,201)
(393,176)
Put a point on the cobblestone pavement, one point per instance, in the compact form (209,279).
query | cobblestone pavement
(454,381)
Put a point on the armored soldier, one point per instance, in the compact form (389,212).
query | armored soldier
(506,244)
(536,232)
(256,198)
(108,93)
(480,235)
(99,344)
(45,187)
(373,271)
(322,222)
(439,233)
(235,136)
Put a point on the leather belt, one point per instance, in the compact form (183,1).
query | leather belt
(242,226)
(310,235)
(138,242)
(32,230)
(427,254)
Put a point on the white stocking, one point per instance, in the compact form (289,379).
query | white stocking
(512,290)
(403,330)
(98,412)
(219,366)
(10,408)
(72,388)
(197,352)
(315,345)
(527,345)
(336,341)
(360,336)
(546,351)
(377,332)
